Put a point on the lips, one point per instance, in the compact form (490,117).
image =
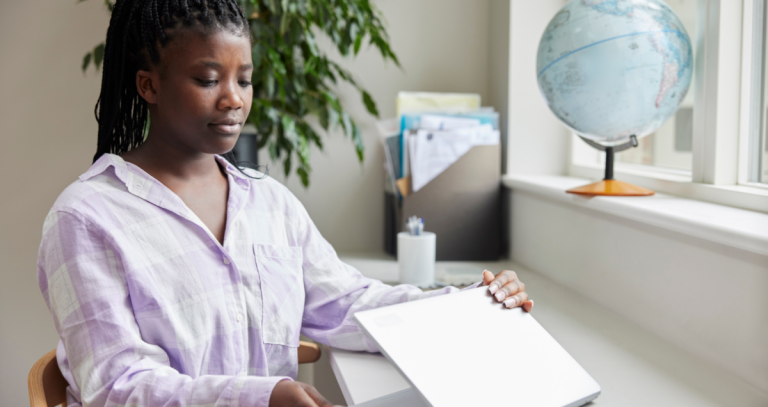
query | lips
(226,126)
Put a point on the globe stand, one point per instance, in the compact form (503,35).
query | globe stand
(610,186)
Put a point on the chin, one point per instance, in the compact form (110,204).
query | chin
(220,144)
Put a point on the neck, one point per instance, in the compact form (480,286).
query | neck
(170,163)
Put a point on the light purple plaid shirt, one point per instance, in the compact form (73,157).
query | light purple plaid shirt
(152,310)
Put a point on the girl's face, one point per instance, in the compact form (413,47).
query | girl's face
(200,95)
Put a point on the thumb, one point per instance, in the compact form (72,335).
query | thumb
(487,277)
(317,397)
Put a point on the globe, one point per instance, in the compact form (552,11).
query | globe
(614,68)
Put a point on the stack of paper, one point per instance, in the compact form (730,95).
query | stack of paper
(435,130)
(432,151)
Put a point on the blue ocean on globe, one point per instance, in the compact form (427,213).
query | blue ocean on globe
(616,68)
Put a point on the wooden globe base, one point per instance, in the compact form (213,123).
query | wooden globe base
(611,187)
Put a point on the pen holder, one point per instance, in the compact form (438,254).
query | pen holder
(416,258)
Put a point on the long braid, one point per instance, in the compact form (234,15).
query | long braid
(136,29)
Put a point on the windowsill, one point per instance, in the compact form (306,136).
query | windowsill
(678,183)
(740,228)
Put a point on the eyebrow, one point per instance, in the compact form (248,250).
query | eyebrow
(216,65)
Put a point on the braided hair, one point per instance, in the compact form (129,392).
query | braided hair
(137,30)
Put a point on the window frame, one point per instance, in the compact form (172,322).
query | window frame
(723,104)
(753,61)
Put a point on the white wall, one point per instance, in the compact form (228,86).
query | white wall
(709,299)
(443,46)
(537,141)
(48,138)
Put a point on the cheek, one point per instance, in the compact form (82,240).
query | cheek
(191,103)
(248,100)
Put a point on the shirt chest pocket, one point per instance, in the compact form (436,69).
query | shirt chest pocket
(282,291)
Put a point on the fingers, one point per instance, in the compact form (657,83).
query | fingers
(487,277)
(508,289)
(516,300)
(296,394)
(316,396)
(511,288)
(501,279)
(528,305)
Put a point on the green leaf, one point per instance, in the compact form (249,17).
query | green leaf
(346,123)
(304,175)
(270,84)
(274,7)
(289,128)
(370,105)
(358,140)
(358,42)
(284,22)
(86,59)
(310,40)
(98,55)
(277,63)
(287,165)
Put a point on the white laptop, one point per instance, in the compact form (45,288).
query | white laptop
(466,349)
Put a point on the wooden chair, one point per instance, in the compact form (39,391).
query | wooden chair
(48,388)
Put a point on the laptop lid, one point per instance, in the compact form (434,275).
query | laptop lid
(465,349)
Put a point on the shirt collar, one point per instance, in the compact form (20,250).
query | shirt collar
(230,169)
(121,168)
(144,186)
(103,163)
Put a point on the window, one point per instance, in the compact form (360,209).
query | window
(715,148)
(757,136)
(671,146)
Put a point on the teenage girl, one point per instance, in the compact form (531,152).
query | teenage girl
(173,277)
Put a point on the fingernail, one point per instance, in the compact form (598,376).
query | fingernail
(494,288)
(509,303)
(500,295)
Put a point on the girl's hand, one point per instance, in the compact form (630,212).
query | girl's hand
(507,288)
(296,394)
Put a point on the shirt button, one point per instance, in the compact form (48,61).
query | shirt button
(138,186)
(226,260)
(239,317)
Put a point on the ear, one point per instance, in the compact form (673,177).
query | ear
(146,85)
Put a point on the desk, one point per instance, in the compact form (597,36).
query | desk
(633,367)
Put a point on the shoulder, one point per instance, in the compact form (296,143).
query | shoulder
(76,194)
(87,197)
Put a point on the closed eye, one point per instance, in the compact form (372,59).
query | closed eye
(206,83)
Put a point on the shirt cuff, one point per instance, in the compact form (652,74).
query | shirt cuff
(255,391)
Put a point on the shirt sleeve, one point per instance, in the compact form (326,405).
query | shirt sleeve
(107,362)
(335,291)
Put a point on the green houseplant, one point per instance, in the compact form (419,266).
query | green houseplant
(292,77)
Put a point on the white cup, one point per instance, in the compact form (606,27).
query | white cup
(416,258)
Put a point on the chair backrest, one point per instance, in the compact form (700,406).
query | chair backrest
(48,388)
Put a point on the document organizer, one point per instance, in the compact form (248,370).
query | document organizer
(462,206)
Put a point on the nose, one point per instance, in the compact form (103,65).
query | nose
(231,98)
